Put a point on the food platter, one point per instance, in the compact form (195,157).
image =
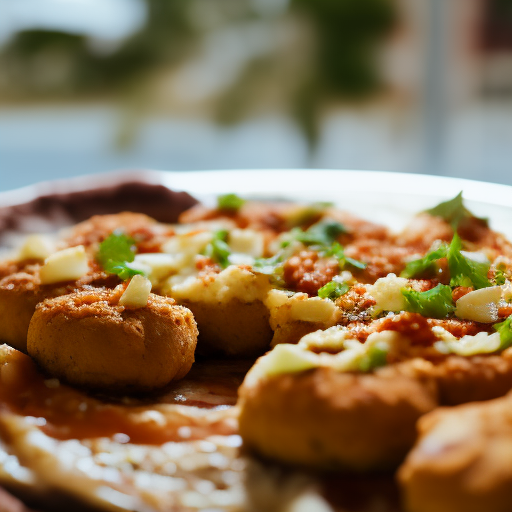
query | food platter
(231,480)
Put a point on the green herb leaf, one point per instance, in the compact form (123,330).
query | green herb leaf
(375,357)
(500,275)
(333,290)
(230,202)
(434,303)
(323,233)
(114,254)
(453,211)
(218,249)
(505,330)
(336,250)
(465,271)
(306,214)
(425,266)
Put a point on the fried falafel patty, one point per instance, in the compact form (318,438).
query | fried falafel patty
(327,420)
(461,460)
(331,402)
(89,339)
(22,290)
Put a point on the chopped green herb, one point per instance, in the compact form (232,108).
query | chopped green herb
(273,267)
(500,275)
(425,266)
(463,270)
(505,330)
(323,233)
(434,303)
(375,357)
(230,202)
(453,211)
(336,250)
(218,250)
(333,290)
(306,214)
(114,254)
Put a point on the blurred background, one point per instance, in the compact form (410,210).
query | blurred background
(417,86)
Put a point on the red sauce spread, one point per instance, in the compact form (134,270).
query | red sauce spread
(72,414)
(307,272)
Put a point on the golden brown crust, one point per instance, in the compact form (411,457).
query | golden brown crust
(87,339)
(330,420)
(461,460)
(468,379)
(97,228)
(22,290)
(234,328)
(327,420)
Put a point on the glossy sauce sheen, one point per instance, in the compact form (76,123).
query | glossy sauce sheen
(67,413)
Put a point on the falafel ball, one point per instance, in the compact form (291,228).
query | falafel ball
(329,420)
(89,339)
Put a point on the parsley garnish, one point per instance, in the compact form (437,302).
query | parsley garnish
(375,357)
(434,303)
(273,267)
(230,202)
(453,211)
(306,214)
(336,250)
(505,330)
(323,233)
(500,275)
(114,254)
(333,290)
(465,271)
(425,266)
(218,250)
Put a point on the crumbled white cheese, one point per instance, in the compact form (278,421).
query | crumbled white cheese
(311,309)
(480,343)
(157,266)
(277,298)
(66,265)
(331,339)
(480,305)
(300,307)
(287,358)
(246,241)
(137,292)
(37,247)
(387,292)
(232,283)
(186,247)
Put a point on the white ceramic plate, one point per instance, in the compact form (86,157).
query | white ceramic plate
(385,197)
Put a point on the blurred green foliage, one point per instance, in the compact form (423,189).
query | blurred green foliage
(341,62)
(80,68)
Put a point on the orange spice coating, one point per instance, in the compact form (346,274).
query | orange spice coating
(88,339)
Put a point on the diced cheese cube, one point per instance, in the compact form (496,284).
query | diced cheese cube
(387,292)
(137,292)
(36,247)
(158,265)
(66,265)
(480,305)
(246,241)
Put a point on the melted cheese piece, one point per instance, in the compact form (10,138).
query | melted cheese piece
(480,305)
(37,247)
(354,356)
(480,343)
(137,293)
(66,265)
(232,283)
(387,292)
